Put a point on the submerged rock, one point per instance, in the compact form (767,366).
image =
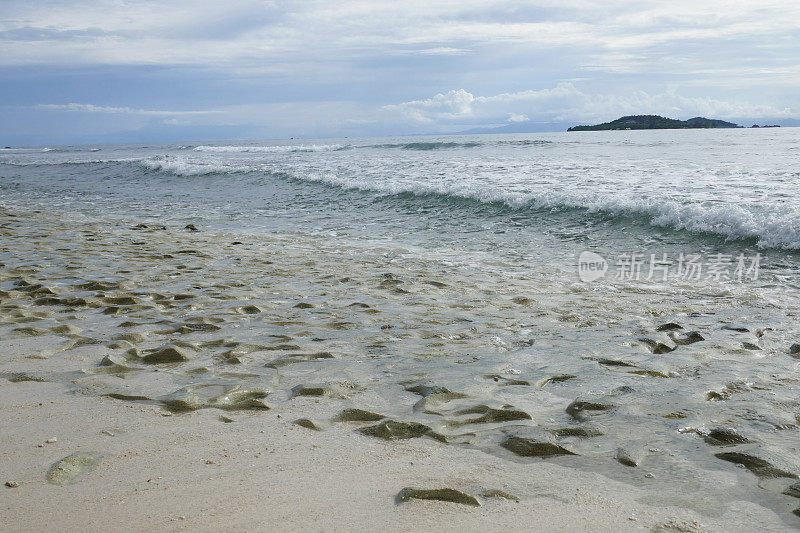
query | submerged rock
(308,423)
(357,415)
(582,432)
(121,300)
(100,285)
(426,390)
(656,347)
(129,397)
(133,338)
(66,329)
(216,396)
(581,410)
(19,377)
(649,373)
(114,363)
(393,430)
(687,338)
(629,457)
(298,358)
(432,403)
(793,490)
(738,329)
(47,300)
(504,380)
(557,379)
(614,362)
(31,331)
(340,389)
(723,437)
(237,353)
(525,447)
(496,493)
(758,466)
(669,326)
(166,354)
(794,350)
(248,309)
(198,327)
(442,495)
(72,468)
(714,396)
(490,415)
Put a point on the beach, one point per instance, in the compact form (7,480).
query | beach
(226,345)
(261,472)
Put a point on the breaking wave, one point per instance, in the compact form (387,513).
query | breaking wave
(271,149)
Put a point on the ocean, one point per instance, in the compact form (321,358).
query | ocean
(628,298)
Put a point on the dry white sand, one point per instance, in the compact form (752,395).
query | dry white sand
(192,471)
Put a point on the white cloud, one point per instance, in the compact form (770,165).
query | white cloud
(247,55)
(278,35)
(91,108)
(310,119)
(566,103)
(443,51)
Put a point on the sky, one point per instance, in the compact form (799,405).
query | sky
(74,71)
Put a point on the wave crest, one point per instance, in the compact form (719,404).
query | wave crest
(270,149)
(776,228)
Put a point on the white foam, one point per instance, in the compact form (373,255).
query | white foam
(180,166)
(50,162)
(771,227)
(270,149)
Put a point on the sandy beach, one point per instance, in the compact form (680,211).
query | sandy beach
(262,472)
(84,369)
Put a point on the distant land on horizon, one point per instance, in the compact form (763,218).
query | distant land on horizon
(656,122)
(546,127)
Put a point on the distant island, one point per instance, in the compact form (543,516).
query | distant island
(655,122)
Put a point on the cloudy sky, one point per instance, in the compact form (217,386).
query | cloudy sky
(74,71)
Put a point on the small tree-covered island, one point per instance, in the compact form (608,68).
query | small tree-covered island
(655,122)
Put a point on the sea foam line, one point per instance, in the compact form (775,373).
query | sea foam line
(270,149)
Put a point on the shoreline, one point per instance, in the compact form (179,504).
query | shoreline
(166,470)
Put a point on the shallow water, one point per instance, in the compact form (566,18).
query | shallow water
(433,282)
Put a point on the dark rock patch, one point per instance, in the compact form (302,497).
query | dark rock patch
(580,409)
(442,495)
(393,430)
(687,338)
(724,437)
(357,415)
(525,447)
(499,494)
(166,354)
(656,347)
(758,466)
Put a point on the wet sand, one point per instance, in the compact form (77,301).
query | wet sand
(262,472)
(202,379)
